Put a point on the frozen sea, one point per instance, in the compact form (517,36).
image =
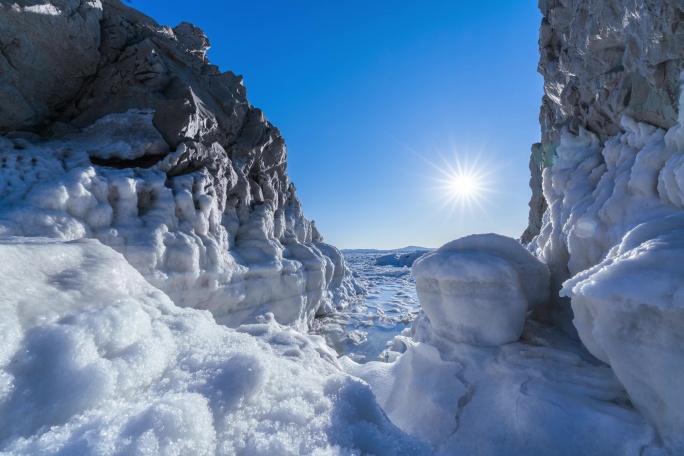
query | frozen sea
(363,330)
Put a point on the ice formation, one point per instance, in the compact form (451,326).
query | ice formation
(400,259)
(478,289)
(95,360)
(607,219)
(139,189)
(160,156)
(612,158)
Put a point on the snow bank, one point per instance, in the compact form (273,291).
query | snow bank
(478,289)
(95,360)
(172,227)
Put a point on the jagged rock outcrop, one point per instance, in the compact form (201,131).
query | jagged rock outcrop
(600,61)
(158,154)
(610,168)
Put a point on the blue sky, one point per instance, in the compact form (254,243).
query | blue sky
(373,98)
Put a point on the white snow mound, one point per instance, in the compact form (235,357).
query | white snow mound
(94,360)
(478,289)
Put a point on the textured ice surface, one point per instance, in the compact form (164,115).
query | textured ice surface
(540,396)
(629,311)
(613,235)
(171,228)
(399,259)
(364,329)
(94,360)
(478,289)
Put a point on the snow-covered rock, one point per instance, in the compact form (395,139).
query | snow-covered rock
(601,61)
(629,312)
(612,156)
(137,141)
(94,360)
(478,289)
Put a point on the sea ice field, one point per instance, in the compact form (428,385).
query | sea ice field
(363,330)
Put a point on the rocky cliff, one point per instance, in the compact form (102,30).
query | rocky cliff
(119,129)
(608,191)
(601,61)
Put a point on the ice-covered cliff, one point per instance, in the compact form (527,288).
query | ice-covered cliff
(136,179)
(610,168)
(118,129)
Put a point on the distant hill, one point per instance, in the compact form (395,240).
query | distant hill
(410,248)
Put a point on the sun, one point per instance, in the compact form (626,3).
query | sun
(464,182)
(464,185)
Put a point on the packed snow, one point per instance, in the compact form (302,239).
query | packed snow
(95,360)
(539,396)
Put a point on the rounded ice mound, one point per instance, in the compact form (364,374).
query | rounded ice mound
(629,312)
(478,289)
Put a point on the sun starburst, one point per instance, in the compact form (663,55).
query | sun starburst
(464,181)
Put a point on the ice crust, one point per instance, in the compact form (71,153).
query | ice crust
(540,396)
(629,311)
(478,289)
(95,360)
(612,238)
(171,229)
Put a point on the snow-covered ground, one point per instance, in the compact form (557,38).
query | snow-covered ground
(94,360)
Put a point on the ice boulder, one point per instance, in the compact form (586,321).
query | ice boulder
(629,312)
(478,289)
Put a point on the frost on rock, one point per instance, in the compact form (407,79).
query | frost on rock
(478,289)
(160,156)
(610,237)
(94,360)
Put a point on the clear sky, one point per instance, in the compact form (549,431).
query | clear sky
(376,99)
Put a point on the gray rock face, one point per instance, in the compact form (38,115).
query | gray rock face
(602,60)
(90,83)
(56,43)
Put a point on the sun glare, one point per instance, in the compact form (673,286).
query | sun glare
(464,185)
(464,182)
